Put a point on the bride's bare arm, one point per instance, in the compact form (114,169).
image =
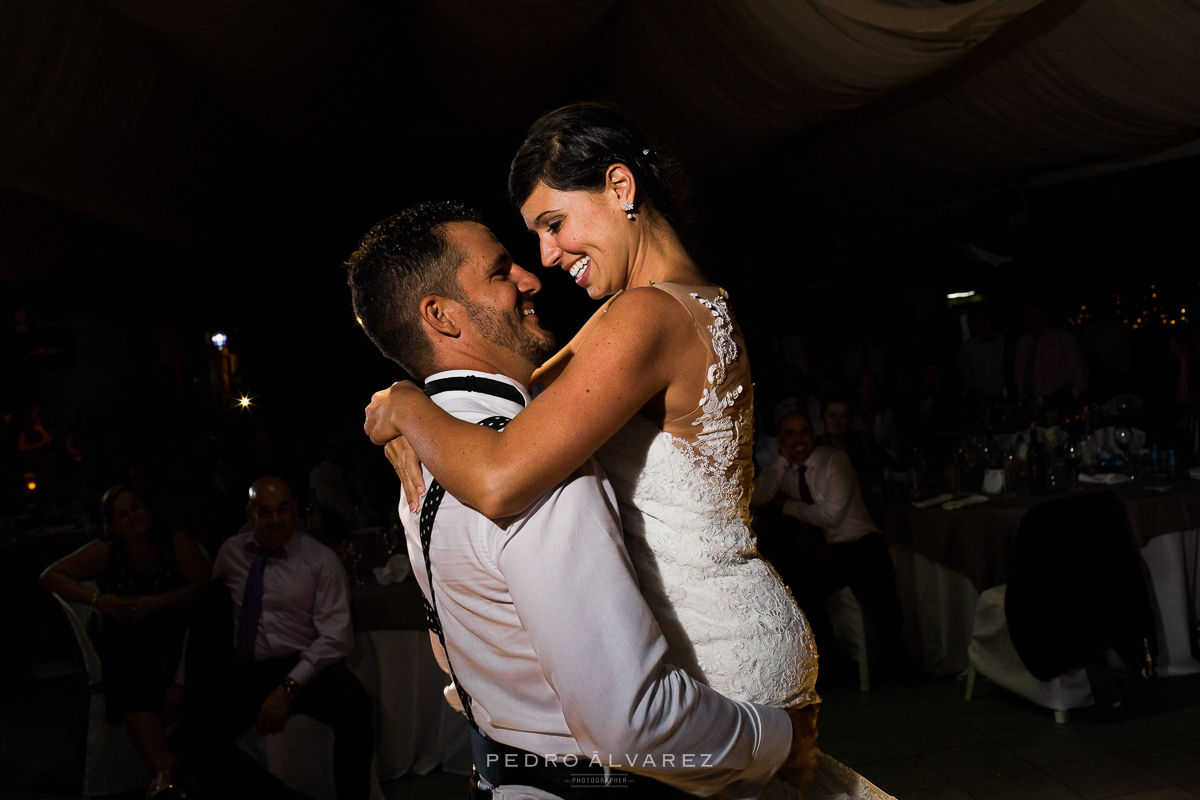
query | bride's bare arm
(546,373)
(632,355)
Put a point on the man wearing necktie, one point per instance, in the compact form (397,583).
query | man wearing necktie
(838,544)
(555,656)
(290,620)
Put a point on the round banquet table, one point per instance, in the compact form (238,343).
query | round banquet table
(416,730)
(944,559)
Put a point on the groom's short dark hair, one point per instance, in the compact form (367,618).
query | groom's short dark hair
(401,260)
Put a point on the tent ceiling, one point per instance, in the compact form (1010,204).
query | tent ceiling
(184,118)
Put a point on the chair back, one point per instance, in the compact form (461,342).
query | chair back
(1075,587)
(79,627)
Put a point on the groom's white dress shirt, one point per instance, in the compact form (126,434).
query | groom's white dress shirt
(549,634)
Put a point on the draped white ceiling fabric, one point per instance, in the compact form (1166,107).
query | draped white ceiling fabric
(726,78)
(1065,84)
(164,115)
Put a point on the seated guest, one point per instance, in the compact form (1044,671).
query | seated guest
(340,492)
(868,458)
(871,415)
(937,406)
(267,640)
(1049,363)
(817,488)
(145,577)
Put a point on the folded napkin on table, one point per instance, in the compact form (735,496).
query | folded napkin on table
(933,501)
(396,570)
(973,500)
(1106,478)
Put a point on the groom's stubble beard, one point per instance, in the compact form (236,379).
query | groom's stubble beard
(504,331)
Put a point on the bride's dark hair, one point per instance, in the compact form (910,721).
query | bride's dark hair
(571,148)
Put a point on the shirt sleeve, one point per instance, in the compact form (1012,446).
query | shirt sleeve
(574,588)
(768,481)
(831,507)
(331,619)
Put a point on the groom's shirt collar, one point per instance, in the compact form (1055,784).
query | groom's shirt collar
(458,398)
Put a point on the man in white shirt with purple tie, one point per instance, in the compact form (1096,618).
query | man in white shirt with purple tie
(555,655)
(287,598)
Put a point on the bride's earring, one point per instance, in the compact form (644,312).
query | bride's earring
(628,209)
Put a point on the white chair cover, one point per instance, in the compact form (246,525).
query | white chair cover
(1171,561)
(992,654)
(416,730)
(850,630)
(938,604)
(112,764)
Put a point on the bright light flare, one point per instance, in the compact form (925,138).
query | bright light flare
(219,340)
(959,295)
(31,486)
(244,402)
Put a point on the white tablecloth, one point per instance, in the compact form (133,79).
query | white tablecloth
(939,605)
(416,730)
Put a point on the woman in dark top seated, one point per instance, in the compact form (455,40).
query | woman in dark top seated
(146,577)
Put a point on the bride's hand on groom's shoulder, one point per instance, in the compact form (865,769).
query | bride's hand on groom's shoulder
(408,469)
(381,414)
(800,768)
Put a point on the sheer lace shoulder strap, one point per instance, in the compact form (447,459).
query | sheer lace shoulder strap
(716,435)
(709,309)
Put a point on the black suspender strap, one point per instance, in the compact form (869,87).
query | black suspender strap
(429,509)
(474,383)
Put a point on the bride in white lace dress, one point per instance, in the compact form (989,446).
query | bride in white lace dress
(657,386)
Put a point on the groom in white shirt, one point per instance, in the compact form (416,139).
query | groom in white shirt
(555,655)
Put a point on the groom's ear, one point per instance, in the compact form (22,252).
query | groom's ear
(439,316)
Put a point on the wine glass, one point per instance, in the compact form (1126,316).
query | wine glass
(351,557)
(385,541)
(1072,452)
(1123,439)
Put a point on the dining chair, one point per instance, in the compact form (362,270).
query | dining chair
(111,764)
(1075,605)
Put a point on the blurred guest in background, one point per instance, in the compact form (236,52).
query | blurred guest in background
(145,576)
(1049,363)
(937,404)
(1106,347)
(871,415)
(268,639)
(793,393)
(34,440)
(340,492)
(839,544)
(981,358)
(868,458)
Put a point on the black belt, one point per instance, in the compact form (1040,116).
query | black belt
(571,778)
(473,383)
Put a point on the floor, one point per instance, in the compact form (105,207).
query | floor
(922,743)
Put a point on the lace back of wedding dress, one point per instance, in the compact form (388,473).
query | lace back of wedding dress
(684,494)
(718,435)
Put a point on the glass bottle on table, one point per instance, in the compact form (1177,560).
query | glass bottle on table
(1038,465)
